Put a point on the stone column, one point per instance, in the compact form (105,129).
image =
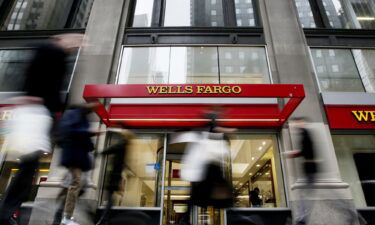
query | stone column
(96,64)
(290,63)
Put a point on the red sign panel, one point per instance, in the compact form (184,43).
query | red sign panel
(161,105)
(351,117)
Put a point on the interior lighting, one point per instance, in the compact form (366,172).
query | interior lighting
(260,148)
(366,18)
(253,158)
(263,143)
(258,165)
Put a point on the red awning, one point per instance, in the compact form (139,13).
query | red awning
(184,105)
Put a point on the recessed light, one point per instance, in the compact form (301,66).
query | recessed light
(253,158)
(260,148)
(258,165)
(250,174)
(263,143)
(267,173)
(46,153)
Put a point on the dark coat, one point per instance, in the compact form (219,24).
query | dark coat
(45,75)
(75,140)
(118,152)
(308,153)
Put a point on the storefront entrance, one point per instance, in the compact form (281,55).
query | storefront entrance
(253,163)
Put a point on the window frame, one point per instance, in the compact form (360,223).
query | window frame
(324,35)
(230,33)
(217,46)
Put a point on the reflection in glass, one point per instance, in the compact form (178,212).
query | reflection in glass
(13,64)
(365,60)
(196,13)
(255,164)
(12,68)
(145,65)
(143,13)
(305,14)
(354,14)
(47,14)
(193,65)
(336,70)
(245,13)
(356,156)
(243,65)
(140,185)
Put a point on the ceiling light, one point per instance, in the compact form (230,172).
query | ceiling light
(258,165)
(46,153)
(267,173)
(263,143)
(250,174)
(253,158)
(366,18)
(260,148)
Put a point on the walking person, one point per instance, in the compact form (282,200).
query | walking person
(117,153)
(28,139)
(309,164)
(74,138)
(47,71)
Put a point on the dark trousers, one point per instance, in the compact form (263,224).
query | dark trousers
(20,186)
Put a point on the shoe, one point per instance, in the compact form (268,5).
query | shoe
(67,221)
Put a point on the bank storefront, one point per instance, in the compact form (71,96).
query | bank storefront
(164,100)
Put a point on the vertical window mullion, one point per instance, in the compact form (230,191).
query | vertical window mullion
(229,13)
(157,13)
(258,21)
(319,13)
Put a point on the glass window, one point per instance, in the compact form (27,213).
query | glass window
(245,13)
(305,14)
(249,65)
(255,164)
(46,14)
(140,185)
(351,13)
(145,65)
(143,13)
(12,69)
(336,70)
(356,156)
(196,13)
(193,65)
(365,60)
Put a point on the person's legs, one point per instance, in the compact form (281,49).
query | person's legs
(73,192)
(20,186)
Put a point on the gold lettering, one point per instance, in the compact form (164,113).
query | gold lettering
(170,90)
(163,90)
(226,89)
(361,115)
(208,90)
(152,89)
(200,89)
(372,115)
(179,90)
(239,90)
(188,89)
(217,89)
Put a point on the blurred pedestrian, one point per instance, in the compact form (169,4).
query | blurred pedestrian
(202,165)
(309,163)
(28,138)
(254,198)
(46,74)
(61,197)
(74,138)
(117,152)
